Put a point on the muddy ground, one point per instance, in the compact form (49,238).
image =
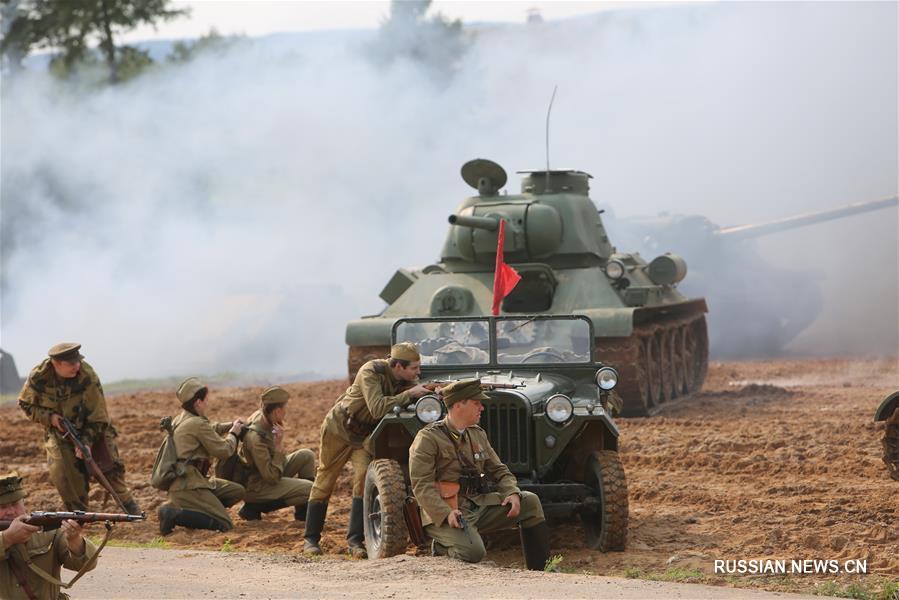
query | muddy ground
(773,460)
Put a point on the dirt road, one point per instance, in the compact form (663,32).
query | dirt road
(196,574)
(774,460)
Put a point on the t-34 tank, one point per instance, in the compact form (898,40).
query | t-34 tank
(654,335)
(757,308)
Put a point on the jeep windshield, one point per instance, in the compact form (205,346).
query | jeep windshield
(503,341)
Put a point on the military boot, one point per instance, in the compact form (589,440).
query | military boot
(252,511)
(299,512)
(167,515)
(355,535)
(315,522)
(132,507)
(193,519)
(535,545)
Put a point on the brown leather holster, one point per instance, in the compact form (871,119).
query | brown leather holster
(356,427)
(412,515)
(449,491)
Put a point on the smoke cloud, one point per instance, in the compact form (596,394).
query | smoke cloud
(234,212)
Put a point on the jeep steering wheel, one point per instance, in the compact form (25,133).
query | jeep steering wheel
(556,357)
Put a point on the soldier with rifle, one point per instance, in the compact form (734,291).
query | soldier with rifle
(30,559)
(464,489)
(379,386)
(64,394)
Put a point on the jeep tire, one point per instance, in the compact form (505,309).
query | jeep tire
(606,528)
(382,508)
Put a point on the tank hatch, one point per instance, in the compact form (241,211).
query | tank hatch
(567,181)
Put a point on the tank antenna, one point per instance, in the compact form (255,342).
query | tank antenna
(548,111)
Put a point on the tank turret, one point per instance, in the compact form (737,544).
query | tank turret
(556,239)
(757,307)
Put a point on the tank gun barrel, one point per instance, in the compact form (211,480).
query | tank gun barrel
(742,232)
(485,223)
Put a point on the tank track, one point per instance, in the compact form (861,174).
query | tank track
(659,362)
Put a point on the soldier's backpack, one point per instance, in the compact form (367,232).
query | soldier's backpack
(166,467)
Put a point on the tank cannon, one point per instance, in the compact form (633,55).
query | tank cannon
(555,237)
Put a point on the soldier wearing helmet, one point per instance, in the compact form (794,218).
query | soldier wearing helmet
(196,500)
(273,479)
(379,386)
(64,385)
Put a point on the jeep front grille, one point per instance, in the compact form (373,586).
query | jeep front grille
(507,422)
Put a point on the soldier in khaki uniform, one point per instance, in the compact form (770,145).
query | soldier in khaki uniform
(379,386)
(49,551)
(274,480)
(197,501)
(64,385)
(454,469)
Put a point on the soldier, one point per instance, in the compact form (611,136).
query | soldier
(197,501)
(22,544)
(375,391)
(273,479)
(453,470)
(63,385)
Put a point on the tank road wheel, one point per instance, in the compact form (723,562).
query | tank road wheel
(606,526)
(677,360)
(382,506)
(654,356)
(666,366)
(700,354)
(644,369)
(891,445)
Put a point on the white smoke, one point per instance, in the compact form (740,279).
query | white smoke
(233,213)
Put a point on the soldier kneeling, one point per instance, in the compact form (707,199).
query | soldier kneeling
(463,488)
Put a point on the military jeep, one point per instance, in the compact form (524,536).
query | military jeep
(549,419)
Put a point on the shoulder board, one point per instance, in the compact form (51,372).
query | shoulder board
(379,366)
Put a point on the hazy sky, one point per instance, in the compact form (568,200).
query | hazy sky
(258,17)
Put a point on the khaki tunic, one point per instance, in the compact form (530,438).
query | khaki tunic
(49,551)
(434,457)
(196,438)
(373,394)
(272,474)
(80,400)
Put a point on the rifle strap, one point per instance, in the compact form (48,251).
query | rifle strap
(84,568)
(20,576)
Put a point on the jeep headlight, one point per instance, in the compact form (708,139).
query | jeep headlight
(606,378)
(615,269)
(559,408)
(428,409)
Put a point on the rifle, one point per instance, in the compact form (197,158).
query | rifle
(53,520)
(92,465)
(433,385)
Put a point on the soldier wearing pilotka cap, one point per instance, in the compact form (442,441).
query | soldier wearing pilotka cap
(47,551)
(458,480)
(379,386)
(274,479)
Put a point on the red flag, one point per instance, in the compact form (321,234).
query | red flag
(505,278)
